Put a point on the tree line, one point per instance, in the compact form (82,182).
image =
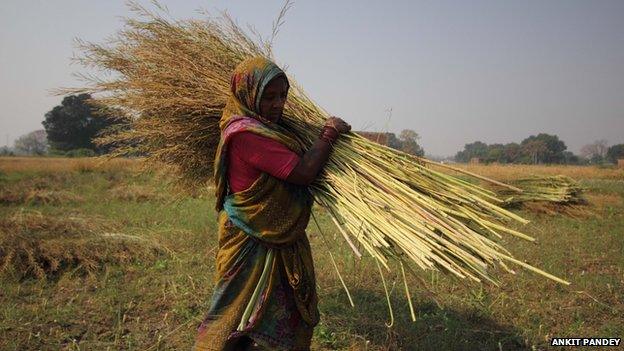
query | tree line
(69,130)
(540,149)
(406,142)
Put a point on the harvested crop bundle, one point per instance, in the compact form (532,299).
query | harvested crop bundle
(172,80)
(558,189)
(550,195)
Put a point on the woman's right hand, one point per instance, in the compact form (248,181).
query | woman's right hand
(338,124)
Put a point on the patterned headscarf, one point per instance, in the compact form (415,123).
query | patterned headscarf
(249,80)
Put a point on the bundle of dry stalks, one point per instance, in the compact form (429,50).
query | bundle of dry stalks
(172,78)
(558,189)
(549,195)
(35,245)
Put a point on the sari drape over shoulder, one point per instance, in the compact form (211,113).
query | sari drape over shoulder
(270,215)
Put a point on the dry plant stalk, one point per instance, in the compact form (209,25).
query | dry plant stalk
(172,79)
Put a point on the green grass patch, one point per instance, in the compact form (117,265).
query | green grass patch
(157,303)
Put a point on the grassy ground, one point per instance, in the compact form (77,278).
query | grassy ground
(154,302)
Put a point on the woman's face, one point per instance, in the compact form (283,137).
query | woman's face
(273,99)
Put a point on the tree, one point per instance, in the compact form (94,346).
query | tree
(570,158)
(596,151)
(476,149)
(615,152)
(409,141)
(33,143)
(495,153)
(512,152)
(393,142)
(536,150)
(74,124)
(6,151)
(544,148)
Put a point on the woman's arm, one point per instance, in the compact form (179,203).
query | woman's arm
(310,164)
(314,159)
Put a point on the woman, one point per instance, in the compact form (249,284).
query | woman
(261,177)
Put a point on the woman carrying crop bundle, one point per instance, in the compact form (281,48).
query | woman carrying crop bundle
(265,294)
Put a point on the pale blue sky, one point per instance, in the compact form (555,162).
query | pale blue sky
(454,71)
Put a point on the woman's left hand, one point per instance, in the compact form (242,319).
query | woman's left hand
(338,124)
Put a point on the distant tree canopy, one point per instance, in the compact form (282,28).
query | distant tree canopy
(570,158)
(477,149)
(615,152)
(544,148)
(73,124)
(406,142)
(33,143)
(595,152)
(541,148)
(409,142)
(6,151)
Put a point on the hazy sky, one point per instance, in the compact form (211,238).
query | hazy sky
(454,71)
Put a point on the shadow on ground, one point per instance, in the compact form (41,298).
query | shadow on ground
(363,327)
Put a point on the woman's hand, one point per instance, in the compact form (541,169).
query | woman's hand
(338,124)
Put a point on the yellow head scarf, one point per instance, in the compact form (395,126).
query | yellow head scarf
(247,85)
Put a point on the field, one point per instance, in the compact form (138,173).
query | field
(126,263)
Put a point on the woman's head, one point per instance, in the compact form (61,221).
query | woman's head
(273,98)
(259,89)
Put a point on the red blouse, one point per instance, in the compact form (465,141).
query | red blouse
(250,154)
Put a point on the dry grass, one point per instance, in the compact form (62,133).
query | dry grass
(135,192)
(11,196)
(557,209)
(57,165)
(36,245)
(38,191)
(603,200)
(50,197)
(511,172)
(157,306)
